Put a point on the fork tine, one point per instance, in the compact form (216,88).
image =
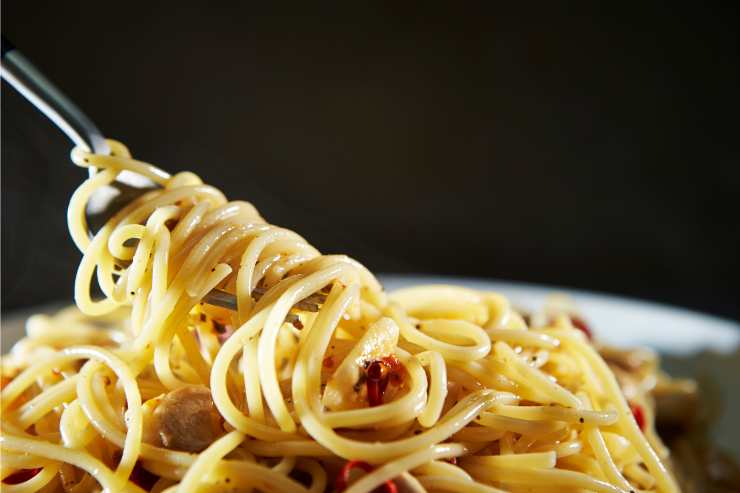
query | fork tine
(226,300)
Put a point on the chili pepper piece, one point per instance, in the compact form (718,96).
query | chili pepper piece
(639,414)
(377,381)
(581,325)
(21,476)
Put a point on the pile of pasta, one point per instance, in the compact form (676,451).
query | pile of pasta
(317,381)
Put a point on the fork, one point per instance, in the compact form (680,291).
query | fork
(20,73)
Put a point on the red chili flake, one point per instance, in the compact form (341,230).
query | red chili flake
(340,484)
(378,374)
(297,324)
(452,460)
(639,413)
(377,370)
(21,476)
(376,382)
(392,363)
(581,325)
(328,362)
(396,369)
(374,394)
(5,381)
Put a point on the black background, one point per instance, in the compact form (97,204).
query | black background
(589,146)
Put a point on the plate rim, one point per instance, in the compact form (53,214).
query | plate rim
(461,280)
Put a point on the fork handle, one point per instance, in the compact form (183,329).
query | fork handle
(20,73)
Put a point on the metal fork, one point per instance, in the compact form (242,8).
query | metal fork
(20,73)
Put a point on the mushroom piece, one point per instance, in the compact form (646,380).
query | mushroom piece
(676,402)
(630,360)
(186,419)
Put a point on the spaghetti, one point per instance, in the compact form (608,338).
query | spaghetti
(320,381)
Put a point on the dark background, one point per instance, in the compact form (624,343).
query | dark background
(587,147)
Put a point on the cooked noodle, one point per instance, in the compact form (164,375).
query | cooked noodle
(433,388)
